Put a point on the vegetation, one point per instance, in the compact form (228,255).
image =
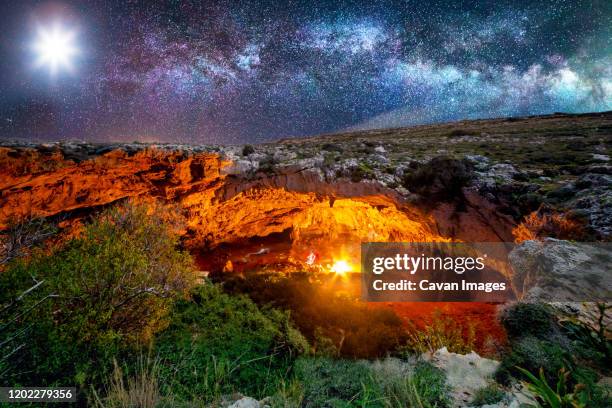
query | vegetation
(591,340)
(544,223)
(489,395)
(217,344)
(247,150)
(442,332)
(441,178)
(117,311)
(353,328)
(22,235)
(107,290)
(546,351)
(386,383)
(527,319)
(560,396)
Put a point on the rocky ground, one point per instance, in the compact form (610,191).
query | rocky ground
(518,164)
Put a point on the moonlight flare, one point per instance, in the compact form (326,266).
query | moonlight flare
(55,48)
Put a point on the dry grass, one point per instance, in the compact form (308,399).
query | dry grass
(441,332)
(539,225)
(140,390)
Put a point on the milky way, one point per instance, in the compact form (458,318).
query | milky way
(229,72)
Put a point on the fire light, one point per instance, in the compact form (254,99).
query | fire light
(341,267)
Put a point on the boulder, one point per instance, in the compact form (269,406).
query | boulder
(246,402)
(465,373)
(561,271)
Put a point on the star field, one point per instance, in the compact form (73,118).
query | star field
(230,72)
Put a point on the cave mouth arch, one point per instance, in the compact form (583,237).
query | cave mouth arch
(277,226)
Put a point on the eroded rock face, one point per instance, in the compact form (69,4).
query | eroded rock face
(66,186)
(561,271)
(226,202)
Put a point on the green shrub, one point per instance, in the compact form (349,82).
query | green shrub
(558,397)
(268,164)
(361,172)
(355,329)
(389,383)
(527,319)
(247,150)
(590,341)
(441,178)
(489,395)
(332,147)
(430,384)
(71,311)
(217,344)
(532,353)
(337,383)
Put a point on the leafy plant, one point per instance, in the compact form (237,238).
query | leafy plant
(217,343)
(527,319)
(104,291)
(533,354)
(558,397)
(591,340)
(491,394)
(441,178)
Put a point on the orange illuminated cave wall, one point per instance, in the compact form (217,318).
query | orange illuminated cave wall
(223,208)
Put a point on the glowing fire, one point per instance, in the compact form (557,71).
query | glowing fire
(341,267)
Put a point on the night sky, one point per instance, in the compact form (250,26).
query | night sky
(235,72)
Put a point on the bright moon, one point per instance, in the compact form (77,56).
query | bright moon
(55,48)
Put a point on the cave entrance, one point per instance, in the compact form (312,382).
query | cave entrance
(276,228)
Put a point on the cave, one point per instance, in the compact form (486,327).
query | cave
(239,223)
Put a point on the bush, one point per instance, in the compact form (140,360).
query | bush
(268,164)
(22,235)
(337,383)
(545,223)
(442,332)
(247,150)
(355,329)
(590,341)
(429,384)
(532,354)
(527,319)
(332,147)
(442,178)
(71,311)
(489,395)
(361,172)
(383,383)
(218,344)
